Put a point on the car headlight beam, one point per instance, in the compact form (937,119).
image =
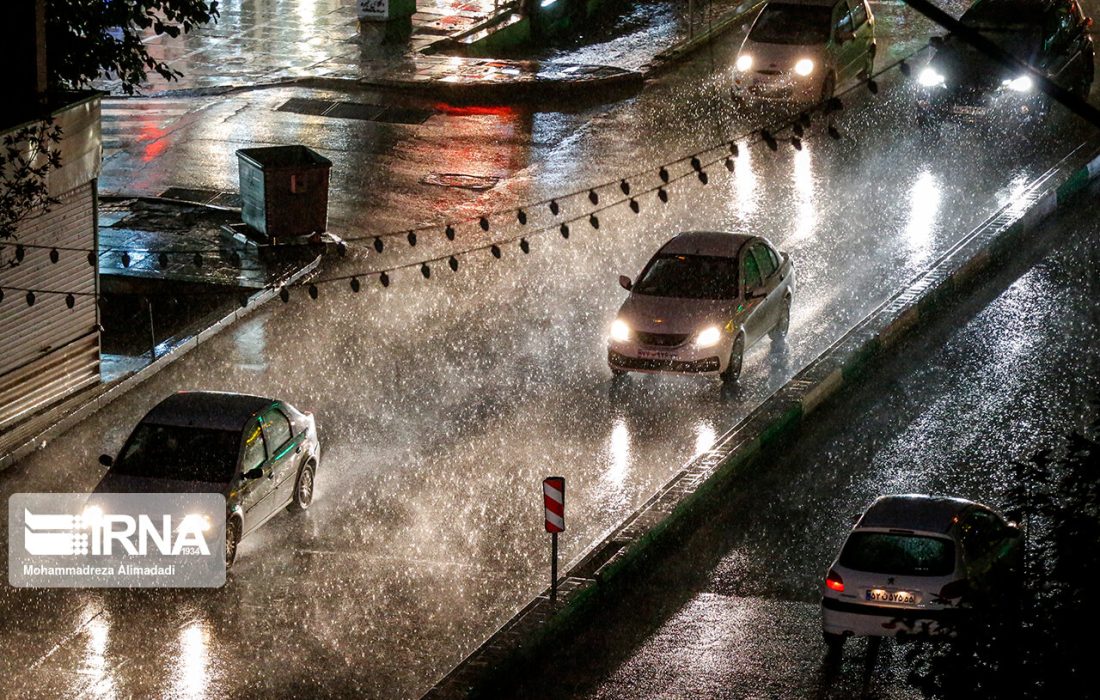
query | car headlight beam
(196,521)
(708,337)
(804,67)
(1022,84)
(930,77)
(744,62)
(620,331)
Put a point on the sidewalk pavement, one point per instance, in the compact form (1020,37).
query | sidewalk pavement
(153,310)
(322,45)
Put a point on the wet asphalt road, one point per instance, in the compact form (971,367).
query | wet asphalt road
(734,614)
(442,403)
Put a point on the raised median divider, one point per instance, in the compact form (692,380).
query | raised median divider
(620,560)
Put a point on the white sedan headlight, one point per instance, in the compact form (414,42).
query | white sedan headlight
(744,62)
(708,337)
(1021,84)
(804,67)
(195,522)
(929,77)
(620,331)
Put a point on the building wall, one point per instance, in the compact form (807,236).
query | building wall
(48,351)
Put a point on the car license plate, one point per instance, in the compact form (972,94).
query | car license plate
(657,355)
(881,595)
(969,110)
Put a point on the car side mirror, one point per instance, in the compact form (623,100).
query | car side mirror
(625,283)
(106,460)
(254,473)
(935,41)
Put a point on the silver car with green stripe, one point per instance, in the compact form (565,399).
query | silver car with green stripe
(260,453)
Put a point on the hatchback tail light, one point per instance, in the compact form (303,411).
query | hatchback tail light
(834,582)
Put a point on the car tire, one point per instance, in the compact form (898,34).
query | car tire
(1088,75)
(232,540)
(834,643)
(737,356)
(828,88)
(783,323)
(869,67)
(303,489)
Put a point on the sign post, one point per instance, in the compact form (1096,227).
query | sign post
(553,498)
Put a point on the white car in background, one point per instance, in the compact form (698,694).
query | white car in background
(912,564)
(700,302)
(802,50)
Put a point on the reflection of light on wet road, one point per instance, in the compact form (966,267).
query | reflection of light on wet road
(307,12)
(704,437)
(620,453)
(744,183)
(1013,195)
(95,662)
(152,135)
(803,179)
(190,680)
(924,208)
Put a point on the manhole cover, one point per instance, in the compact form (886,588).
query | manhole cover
(468,182)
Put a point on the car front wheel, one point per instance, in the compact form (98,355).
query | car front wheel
(779,330)
(303,489)
(834,643)
(737,354)
(232,539)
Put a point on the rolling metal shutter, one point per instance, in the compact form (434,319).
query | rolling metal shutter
(48,351)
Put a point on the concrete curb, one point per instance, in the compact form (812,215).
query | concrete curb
(60,418)
(616,562)
(537,88)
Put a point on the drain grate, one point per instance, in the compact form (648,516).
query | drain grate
(466,182)
(190,195)
(354,110)
(361,111)
(302,105)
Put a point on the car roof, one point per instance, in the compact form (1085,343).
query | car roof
(913,511)
(717,243)
(214,410)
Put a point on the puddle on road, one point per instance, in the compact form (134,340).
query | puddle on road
(466,182)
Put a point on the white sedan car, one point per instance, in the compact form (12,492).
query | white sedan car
(699,303)
(911,565)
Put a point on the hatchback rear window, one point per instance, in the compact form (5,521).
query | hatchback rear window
(898,554)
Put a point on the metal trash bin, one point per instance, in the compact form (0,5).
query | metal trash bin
(284,190)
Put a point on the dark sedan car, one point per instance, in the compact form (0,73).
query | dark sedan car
(1050,36)
(261,454)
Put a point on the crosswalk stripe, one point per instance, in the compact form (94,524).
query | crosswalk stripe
(126,122)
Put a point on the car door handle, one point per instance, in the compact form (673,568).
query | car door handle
(299,450)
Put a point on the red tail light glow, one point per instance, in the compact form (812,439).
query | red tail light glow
(833,582)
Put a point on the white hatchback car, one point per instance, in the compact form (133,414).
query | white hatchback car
(699,303)
(910,564)
(801,50)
